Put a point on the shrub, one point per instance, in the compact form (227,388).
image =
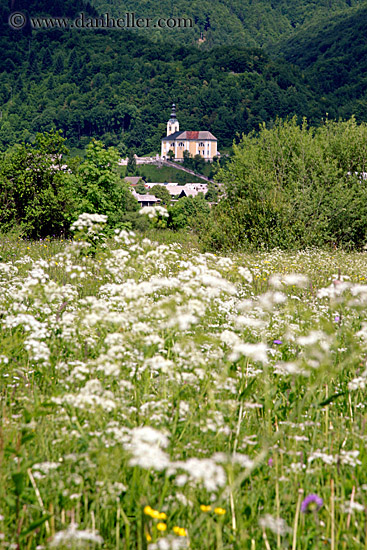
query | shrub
(293,186)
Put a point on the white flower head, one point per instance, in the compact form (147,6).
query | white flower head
(278,526)
(72,537)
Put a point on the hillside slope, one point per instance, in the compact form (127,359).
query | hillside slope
(118,86)
(250,23)
(333,59)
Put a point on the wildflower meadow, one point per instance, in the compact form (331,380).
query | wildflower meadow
(154,397)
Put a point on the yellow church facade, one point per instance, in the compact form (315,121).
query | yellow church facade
(196,143)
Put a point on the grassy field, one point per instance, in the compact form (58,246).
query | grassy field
(156,397)
(166,174)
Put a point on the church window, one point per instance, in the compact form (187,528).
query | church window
(181,144)
(201,144)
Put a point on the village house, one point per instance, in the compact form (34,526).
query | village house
(176,192)
(188,190)
(146,200)
(196,143)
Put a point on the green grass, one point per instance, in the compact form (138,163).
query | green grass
(207,388)
(165,174)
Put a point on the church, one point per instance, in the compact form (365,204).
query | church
(197,143)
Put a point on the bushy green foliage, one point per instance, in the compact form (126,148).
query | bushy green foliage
(99,187)
(140,188)
(294,186)
(42,190)
(196,163)
(213,193)
(189,212)
(161,192)
(131,163)
(35,188)
(332,56)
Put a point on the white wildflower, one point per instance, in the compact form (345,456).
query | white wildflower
(154,211)
(46,467)
(257,352)
(327,459)
(145,447)
(350,507)
(72,537)
(246,274)
(278,526)
(169,543)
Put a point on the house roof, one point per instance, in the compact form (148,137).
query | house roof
(190,189)
(145,198)
(175,189)
(191,192)
(191,136)
(133,180)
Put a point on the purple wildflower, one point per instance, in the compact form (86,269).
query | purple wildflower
(278,342)
(337,319)
(270,462)
(312,503)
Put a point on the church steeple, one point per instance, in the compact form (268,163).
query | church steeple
(173,124)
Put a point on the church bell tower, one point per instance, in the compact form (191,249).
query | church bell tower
(173,125)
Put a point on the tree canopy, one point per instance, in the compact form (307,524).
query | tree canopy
(294,186)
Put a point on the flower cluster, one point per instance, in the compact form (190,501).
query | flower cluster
(153,373)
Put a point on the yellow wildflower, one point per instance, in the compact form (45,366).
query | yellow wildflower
(180,531)
(162,515)
(148,537)
(219,511)
(161,526)
(205,508)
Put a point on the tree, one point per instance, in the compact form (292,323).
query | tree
(212,193)
(187,159)
(199,163)
(140,188)
(36,191)
(131,163)
(162,193)
(100,188)
(171,155)
(189,212)
(294,186)
(59,64)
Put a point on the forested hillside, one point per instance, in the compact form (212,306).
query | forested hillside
(118,86)
(239,22)
(333,58)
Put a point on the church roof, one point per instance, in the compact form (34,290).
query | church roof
(194,136)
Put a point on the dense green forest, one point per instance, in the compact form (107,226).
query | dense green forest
(333,60)
(118,86)
(250,23)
